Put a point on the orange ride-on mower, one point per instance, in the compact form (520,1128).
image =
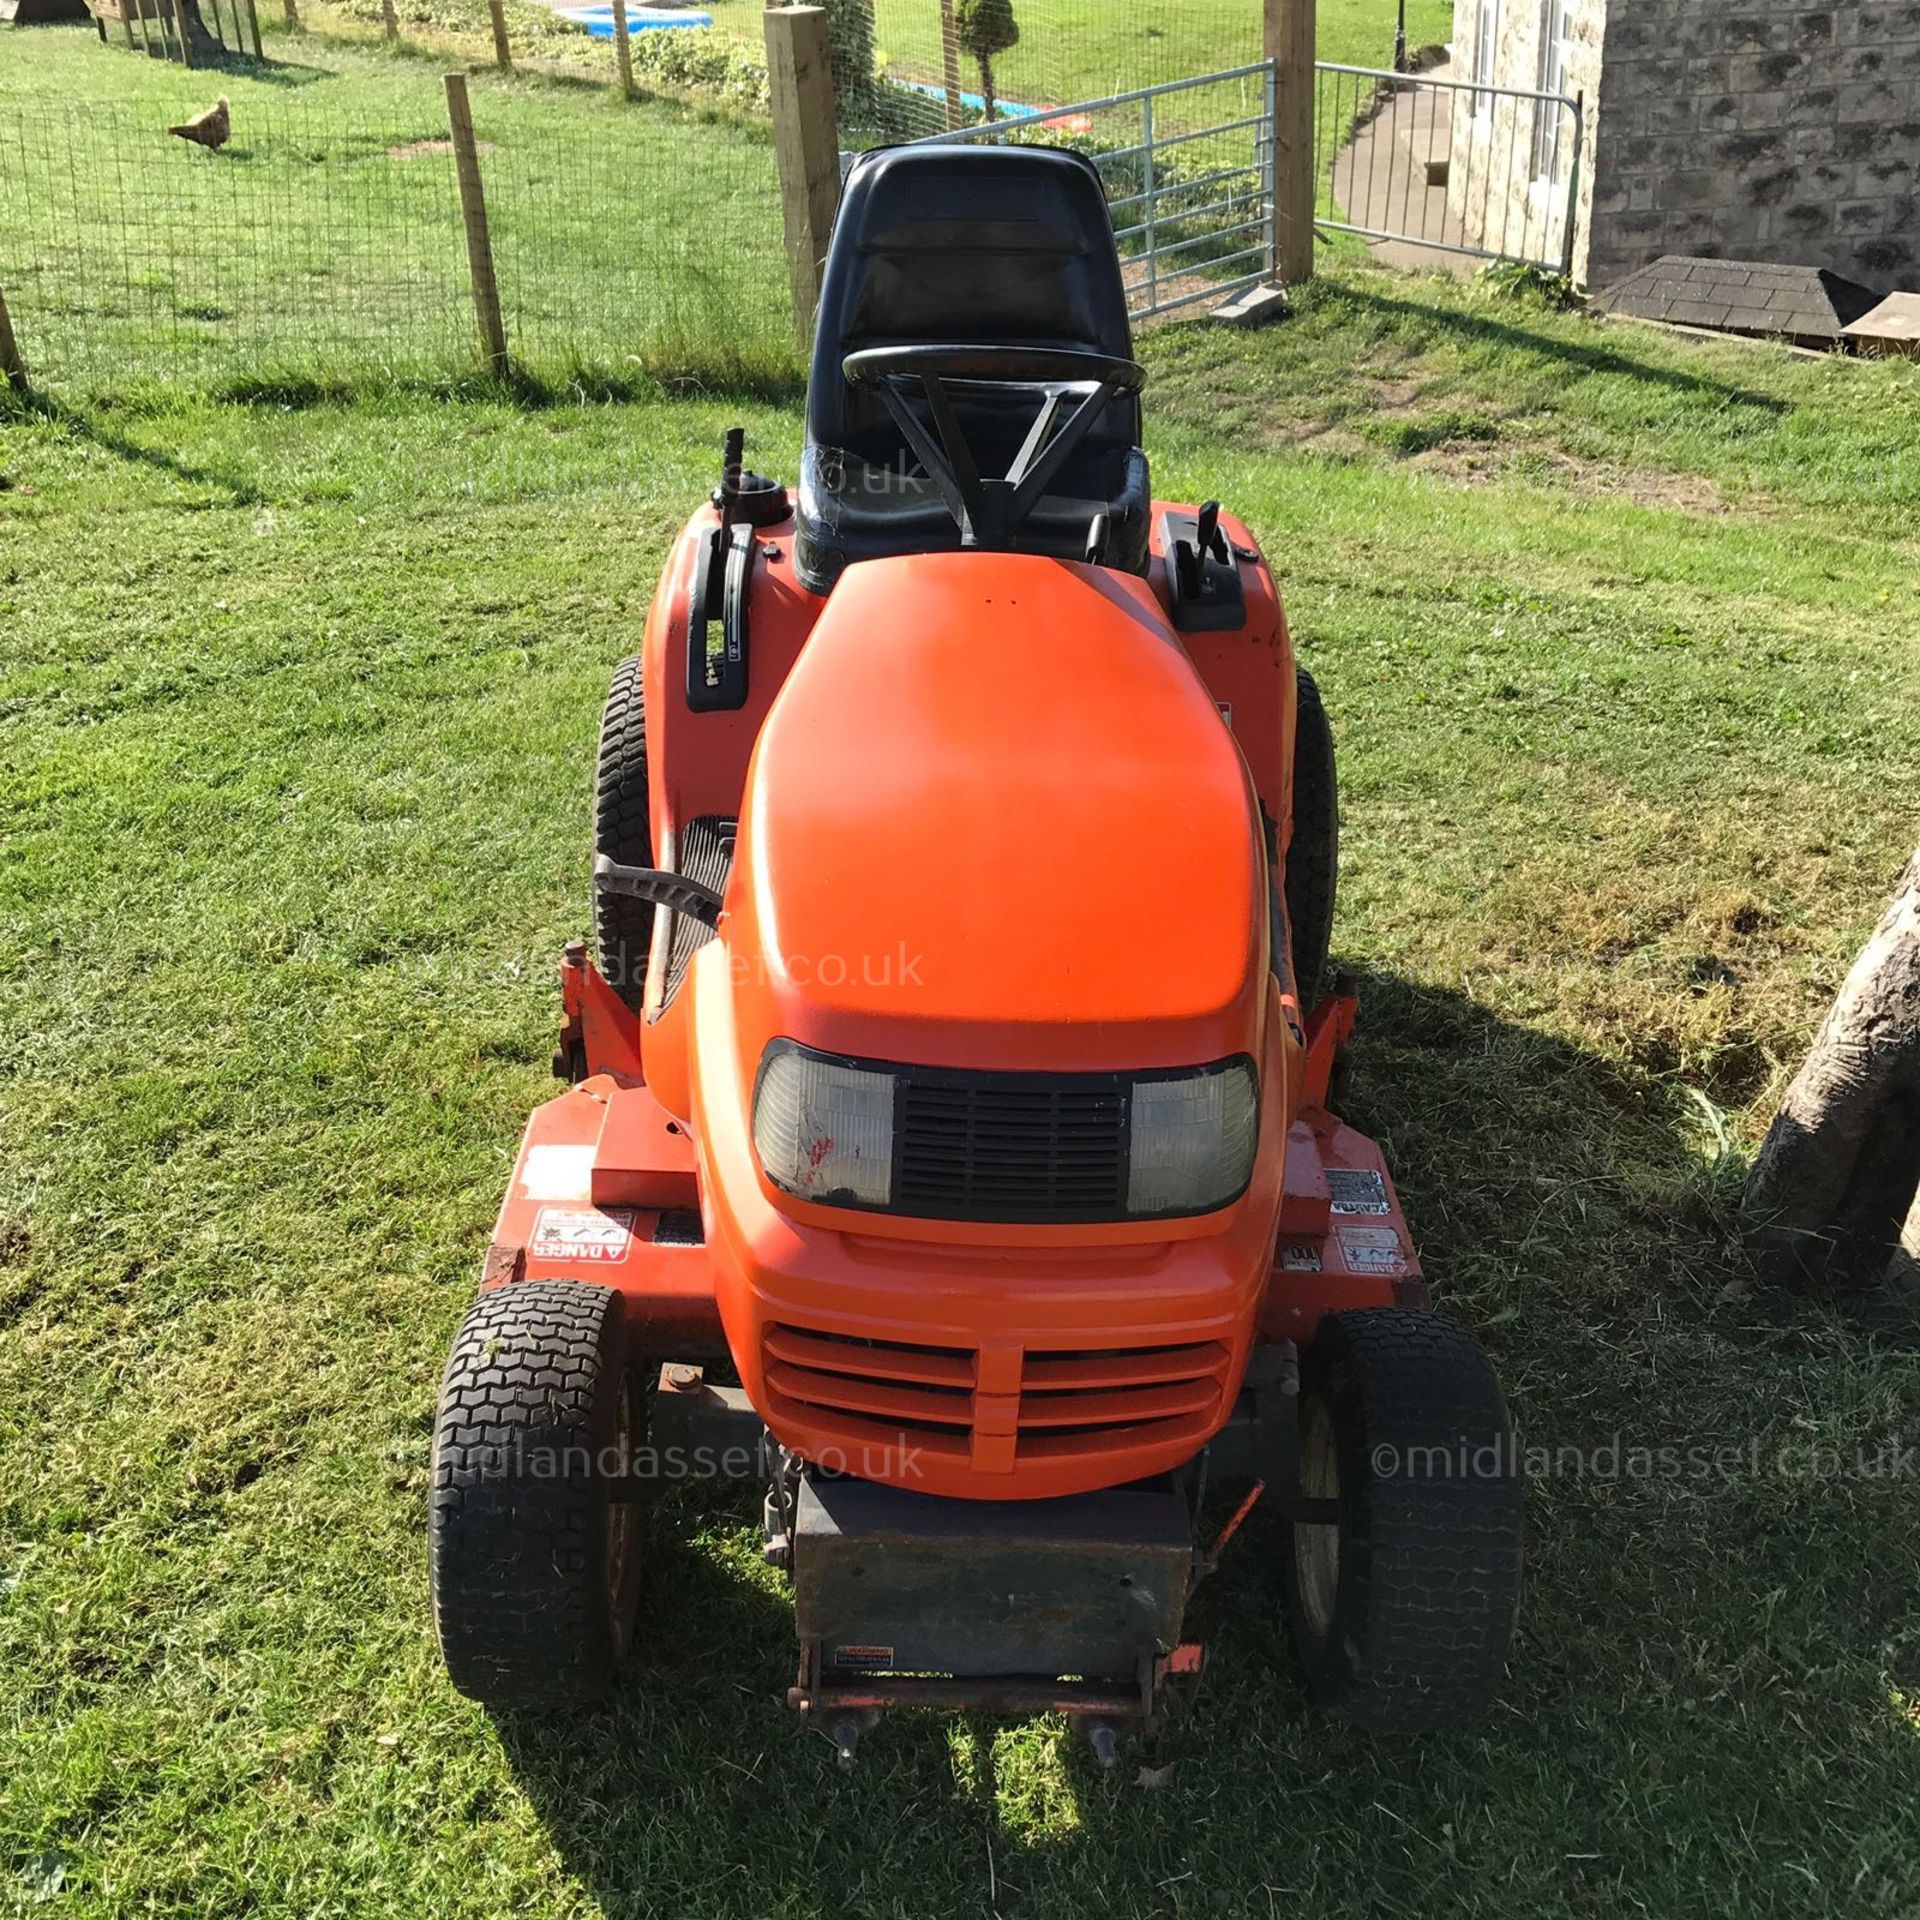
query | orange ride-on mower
(948,1141)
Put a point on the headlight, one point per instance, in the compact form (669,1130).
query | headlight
(938,1143)
(1191,1141)
(824,1130)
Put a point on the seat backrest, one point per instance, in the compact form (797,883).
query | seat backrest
(965,245)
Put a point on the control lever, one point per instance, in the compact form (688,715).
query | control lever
(674,891)
(1206,533)
(733,457)
(1207,593)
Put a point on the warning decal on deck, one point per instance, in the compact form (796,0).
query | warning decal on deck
(1357,1190)
(1299,1256)
(557,1172)
(601,1237)
(1373,1250)
(864,1659)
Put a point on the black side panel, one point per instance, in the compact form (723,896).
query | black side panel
(704,852)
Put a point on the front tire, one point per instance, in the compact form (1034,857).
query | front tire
(1313,855)
(623,831)
(534,1569)
(1403,1611)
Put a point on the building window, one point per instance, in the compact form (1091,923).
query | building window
(1486,55)
(1551,118)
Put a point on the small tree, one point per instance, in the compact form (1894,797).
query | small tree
(985,28)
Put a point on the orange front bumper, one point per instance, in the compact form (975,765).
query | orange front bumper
(979,1363)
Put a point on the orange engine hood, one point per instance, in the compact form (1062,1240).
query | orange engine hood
(995,820)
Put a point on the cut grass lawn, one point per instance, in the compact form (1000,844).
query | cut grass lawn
(1622,640)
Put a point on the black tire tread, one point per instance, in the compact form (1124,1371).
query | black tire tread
(623,830)
(1313,858)
(1431,1561)
(517,1563)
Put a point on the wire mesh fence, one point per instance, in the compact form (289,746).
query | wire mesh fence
(328,244)
(941,65)
(325,241)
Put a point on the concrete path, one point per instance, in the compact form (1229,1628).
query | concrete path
(1380,179)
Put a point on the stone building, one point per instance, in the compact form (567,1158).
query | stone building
(1777,130)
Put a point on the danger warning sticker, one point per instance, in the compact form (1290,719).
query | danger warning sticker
(599,1236)
(1373,1250)
(1357,1190)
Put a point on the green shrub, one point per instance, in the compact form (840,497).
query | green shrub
(703,61)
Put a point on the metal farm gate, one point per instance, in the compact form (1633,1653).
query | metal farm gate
(1409,161)
(1404,162)
(1188,169)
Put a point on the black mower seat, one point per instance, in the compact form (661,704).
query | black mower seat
(965,246)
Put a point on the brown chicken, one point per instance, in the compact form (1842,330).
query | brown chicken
(210,129)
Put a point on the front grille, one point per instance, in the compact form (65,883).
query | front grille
(992,1406)
(1009,1147)
(1078,1403)
(873,1393)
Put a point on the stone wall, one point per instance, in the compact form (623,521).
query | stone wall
(1772,129)
(1492,190)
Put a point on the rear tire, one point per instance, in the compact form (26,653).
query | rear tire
(1403,1612)
(1313,857)
(623,830)
(535,1572)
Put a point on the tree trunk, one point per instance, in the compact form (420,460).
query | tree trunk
(1832,1195)
(986,87)
(950,68)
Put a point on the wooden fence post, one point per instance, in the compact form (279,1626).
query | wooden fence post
(293,14)
(473,215)
(389,20)
(502,53)
(1289,44)
(253,28)
(12,368)
(622,49)
(180,27)
(806,144)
